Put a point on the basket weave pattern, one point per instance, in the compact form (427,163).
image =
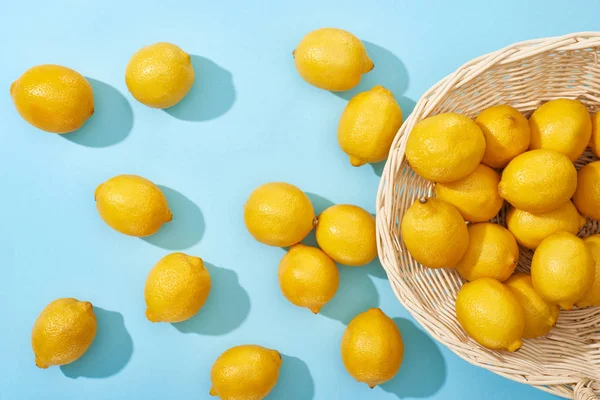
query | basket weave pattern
(567,361)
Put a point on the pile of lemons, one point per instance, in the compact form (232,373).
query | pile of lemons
(59,100)
(477,165)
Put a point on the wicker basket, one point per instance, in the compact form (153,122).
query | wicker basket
(567,361)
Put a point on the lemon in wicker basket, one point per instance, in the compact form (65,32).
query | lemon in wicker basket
(540,316)
(562,269)
(445,147)
(434,233)
(563,125)
(531,228)
(475,196)
(491,314)
(587,195)
(592,297)
(506,132)
(538,181)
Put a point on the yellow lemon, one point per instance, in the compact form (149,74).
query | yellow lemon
(491,314)
(368,126)
(592,297)
(587,195)
(540,316)
(308,277)
(538,181)
(434,233)
(531,228)
(247,372)
(595,140)
(372,348)
(445,147)
(279,214)
(347,234)
(475,196)
(492,253)
(53,98)
(160,75)
(562,269)
(176,288)
(132,205)
(506,132)
(63,332)
(562,125)
(332,59)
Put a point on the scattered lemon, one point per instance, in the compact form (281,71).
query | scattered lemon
(562,269)
(538,181)
(347,234)
(540,316)
(531,228)
(475,196)
(445,147)
(63,332)
(53,98)
(491,314)
(587,195)
(132,205)
(506,132)
(562,125)
(332,59)
(176,288)
(595,140)
(308,277)
(160,75)
(492,253)
(279,214)
(247,372)
(372,348)
(592,297)
(434,233)
(368,126)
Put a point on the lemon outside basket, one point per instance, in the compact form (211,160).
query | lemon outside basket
(567,361)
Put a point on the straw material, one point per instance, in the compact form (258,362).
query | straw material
(567,361)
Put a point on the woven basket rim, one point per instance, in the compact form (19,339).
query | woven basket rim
(462,76)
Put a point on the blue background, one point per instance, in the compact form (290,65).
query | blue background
(249,119)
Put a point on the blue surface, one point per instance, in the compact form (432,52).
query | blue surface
(250,119)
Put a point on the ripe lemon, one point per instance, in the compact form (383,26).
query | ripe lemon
(587,195)
(332,59)
(347,234)
(595,140)
(445,147)
(132,205)
(538,181)
(491,314)
(475,196)
(63,332)
(592,297)
(176,288)
(434,233)
(160,75)
(308,277)
(540,316)
(562,125)
(506,132)
(372,348)
(492,253)
(531,228)
(368,126)
(53,98)
(279,214)
(562,269)
(246,372)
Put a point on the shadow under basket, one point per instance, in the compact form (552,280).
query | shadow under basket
(566,362)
